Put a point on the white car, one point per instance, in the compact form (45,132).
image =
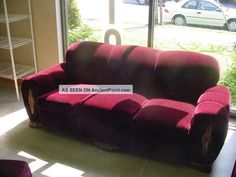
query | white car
(200,12)
(143,2)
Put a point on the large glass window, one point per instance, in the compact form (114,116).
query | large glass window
(102,20)
(178,26)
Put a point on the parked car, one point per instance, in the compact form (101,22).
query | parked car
(200,12)
(146,2)
(143,2)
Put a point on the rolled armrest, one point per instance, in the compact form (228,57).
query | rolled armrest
(219,94)
(209,125)
(38,84)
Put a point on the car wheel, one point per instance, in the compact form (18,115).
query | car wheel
(179,20)
(142,2)
(232,25)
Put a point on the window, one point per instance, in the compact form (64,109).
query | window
(204,5)
(190,5)
(131,21)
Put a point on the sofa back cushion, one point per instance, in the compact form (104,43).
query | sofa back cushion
(179,75)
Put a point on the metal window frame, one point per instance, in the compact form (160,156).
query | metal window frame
(64,24)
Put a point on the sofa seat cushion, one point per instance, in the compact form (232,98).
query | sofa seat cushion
(62,103)
(113,108)
(164,115)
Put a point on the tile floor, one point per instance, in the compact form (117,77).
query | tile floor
(54,155)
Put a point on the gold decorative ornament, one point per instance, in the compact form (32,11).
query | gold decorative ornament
(206,139)
(31,101)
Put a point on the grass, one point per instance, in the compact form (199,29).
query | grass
(228,78)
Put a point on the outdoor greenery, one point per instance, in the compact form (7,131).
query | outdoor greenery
(77,30)
(228,78)
(197,47)
(83,32)
(73,13)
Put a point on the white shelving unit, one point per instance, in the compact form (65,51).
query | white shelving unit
(13,70)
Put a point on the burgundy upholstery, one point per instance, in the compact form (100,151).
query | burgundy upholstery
(63,103)
(114,108)
(41,83)
(234,170)
(14,168)
(152,72)
(166,115)
(176,97)
(219,94)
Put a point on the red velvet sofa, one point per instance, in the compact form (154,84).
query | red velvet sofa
(233,174)
(176,100)
(14,168)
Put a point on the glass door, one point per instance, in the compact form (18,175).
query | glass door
(116,21)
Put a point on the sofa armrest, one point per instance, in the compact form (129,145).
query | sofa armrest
(209,125)
(219,94)
(38,84)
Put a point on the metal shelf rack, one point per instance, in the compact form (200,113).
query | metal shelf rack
(16,42)
(13,70)
(21,70)
(13,17)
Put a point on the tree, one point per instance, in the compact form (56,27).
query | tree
(74,19)
(77,30)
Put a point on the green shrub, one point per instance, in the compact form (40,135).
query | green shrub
(83,32)
(77,30)
(228,78)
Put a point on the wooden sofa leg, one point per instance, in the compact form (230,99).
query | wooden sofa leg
(33,124)
(201,167)
(105,146)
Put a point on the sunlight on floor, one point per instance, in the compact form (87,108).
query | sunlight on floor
(60,170)
(11,120)
(36,164)
(229,135)
(55,170)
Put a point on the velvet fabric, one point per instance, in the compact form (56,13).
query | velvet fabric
(234,170)
(117,109)
(41,83)
(151,71)
(14,168)
(219,94)
(176,99)
(165,115)
(209,125)
(63,103)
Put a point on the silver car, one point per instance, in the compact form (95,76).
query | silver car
(200,12)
